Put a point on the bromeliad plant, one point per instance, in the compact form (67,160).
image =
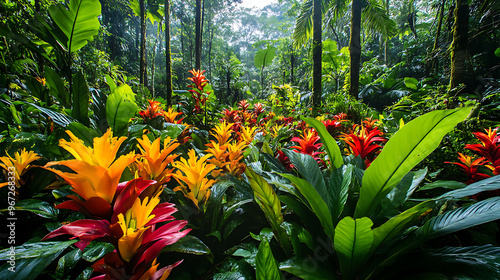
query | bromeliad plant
(127,214)
(368,227)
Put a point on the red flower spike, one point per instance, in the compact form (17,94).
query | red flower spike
(85,230)
(470,167)
(152,111)
(126,194)
(361,143)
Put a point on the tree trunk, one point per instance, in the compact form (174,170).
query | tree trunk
(386,50)
(317,51)
(435,60)
(355,48)
(459,44)
(168,63)
(198,36)
(142,59)
(292,66)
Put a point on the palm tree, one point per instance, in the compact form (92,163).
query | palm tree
(372,13)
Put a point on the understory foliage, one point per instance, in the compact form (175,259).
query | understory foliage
(234,175)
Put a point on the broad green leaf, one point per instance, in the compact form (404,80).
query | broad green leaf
(67,262)
(189,244)
(330,145)
(80,99)
(31,259)
(488,184)
(111,83)
(497,52)
(267,267)
(402,191)
(120,108)
(39,207)
(316,203)
(58,118)
(451,185)
(410,145)
(232,269)
(302,268)
(56,86)
(79,23)
(269,202)
(82,132)
(352,242)
(264,57)
(464,217)
(97,250)
(411,83)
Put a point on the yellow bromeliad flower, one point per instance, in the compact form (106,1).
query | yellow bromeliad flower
(133,225)
(17,165)
(192,177)
(275,130)
(170,116)
(222,132)
(219,153)
(153,162)
(97,171)
(234,156)
(247,134)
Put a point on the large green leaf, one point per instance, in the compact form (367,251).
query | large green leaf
(411,144)
(39,207)
(30,259)
(461,218)
(488,184)
(80,99)
(189,244)
(353,240)
(266,265)
(316,203)
(56,86)
(120,107)
(264,57)
(302,268)
(79,23)
(330,145)
(269,203)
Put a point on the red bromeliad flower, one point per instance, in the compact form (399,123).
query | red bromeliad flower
(489,148)
(361,143)
(152,111)
(198,89)
(370,124)
(307,145)
(284,160)
(243,105)
(470,166)
(258,109)
(334,126)
(230,116)
(340,116)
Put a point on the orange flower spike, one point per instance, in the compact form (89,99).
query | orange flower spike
(222,132)
(170,116)
(133,225)
(20,163)
(154,160)
(97,171)
(192,177)
(154,109)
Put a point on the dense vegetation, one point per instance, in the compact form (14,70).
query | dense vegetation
(146,139)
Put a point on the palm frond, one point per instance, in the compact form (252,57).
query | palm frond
(377,19)
(303,26)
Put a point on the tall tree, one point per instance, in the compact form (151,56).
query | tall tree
(198,35)
(459,44)
(142,59)
(355,48)
(317,51)
(168,51)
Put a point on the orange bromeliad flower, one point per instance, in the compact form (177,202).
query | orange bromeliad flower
(192,177)
(170,116)
(222,133)
(17,166)
(470,166)
(361,143)
(97,172)
(198,79)
(154,110)
(489,147)
(153,162)
(247,134)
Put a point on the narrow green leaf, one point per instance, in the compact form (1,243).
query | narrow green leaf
(353,240)
(411,144)
(302,268)
(56,85)
(80,99)
(111,83)
(36,250)
(316,203)
(489,184)
(189,244)
(330,145)
(267,267)
(39,207)
(97,250)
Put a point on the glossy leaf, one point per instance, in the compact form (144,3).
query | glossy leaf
(266,265)
(80,99)
(79,23)
(189,244)
(489,184)
(120,108)
(56,85)
(67,262)
(411,144)
(84,133)
(316,203)
(330,145)
(352,242)
(39,207)
(96,250)
(302,268)
(461,218)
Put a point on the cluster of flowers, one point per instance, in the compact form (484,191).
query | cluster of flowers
(488,149)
